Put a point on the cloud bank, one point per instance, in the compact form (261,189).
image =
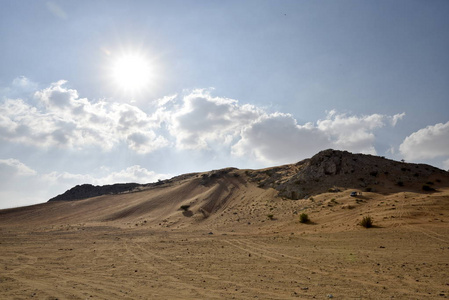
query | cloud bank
(58,117)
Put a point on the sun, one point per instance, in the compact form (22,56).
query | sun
(132,72)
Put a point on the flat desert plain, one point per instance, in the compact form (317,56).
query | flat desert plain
(237,253)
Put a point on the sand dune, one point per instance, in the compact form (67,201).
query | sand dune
(240,236)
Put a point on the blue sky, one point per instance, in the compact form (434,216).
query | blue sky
(247,84)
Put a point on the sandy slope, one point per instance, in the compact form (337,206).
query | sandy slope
(143,246)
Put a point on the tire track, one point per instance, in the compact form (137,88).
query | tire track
(162,271)
(218,280)
(248,246)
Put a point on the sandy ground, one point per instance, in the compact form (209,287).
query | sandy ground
(101,262)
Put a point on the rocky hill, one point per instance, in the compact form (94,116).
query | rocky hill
(329,170)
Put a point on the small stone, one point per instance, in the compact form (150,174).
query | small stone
(330,296)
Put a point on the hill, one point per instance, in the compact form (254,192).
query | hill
(229,197)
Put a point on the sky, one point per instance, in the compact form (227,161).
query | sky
(103,92)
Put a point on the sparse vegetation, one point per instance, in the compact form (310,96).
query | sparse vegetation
(304,218)
(367,222)
(270,216)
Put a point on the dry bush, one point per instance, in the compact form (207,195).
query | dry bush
(367,222)
(304,218)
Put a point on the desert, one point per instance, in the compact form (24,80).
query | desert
(237,234)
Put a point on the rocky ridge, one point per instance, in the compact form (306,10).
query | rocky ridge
(329,170)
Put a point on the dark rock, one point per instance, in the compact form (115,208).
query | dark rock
(85,191)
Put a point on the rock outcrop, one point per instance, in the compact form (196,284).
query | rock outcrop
(88,190)
(333,168)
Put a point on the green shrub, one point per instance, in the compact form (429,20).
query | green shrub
(367,222)
(304,218)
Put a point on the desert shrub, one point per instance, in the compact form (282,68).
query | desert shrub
(185,207)
(427,188)
(270,216)
(367,222)
(304,218)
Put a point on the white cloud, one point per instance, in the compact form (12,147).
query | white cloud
(19,86)
(134,173)
(13,167)
(203,119)
(396,118)
(427,143)
(65,120)
(277,138)
(352,132)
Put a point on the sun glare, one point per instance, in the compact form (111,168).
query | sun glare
(132,72)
